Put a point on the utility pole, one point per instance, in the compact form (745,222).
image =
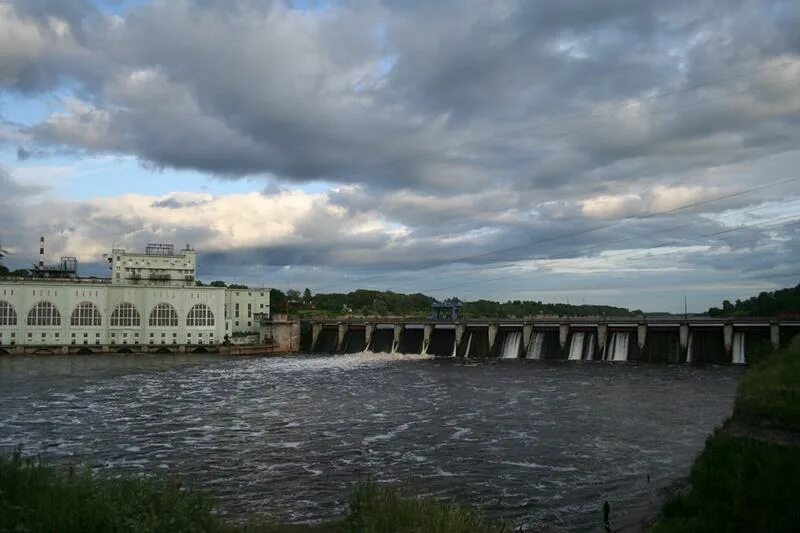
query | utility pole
(685,309)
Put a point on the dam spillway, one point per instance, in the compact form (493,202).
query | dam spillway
(700,340)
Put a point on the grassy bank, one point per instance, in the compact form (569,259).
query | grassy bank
(745,482)
(738,484)
(769,394)
(36,497)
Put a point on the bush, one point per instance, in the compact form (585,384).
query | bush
(738,484)
(769,394)
(384,510)
(37,497)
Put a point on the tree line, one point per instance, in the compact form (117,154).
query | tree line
(387,303)
(777,303)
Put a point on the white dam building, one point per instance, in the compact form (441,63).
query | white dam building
(151,301)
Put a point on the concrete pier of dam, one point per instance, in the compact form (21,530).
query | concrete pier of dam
(672,339)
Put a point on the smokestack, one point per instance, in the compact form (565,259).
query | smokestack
(41,253)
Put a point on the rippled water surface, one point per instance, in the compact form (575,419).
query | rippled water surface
(286,437)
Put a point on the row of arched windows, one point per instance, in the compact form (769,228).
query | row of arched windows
(125,315)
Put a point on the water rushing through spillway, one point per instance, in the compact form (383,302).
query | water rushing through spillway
(617,349)
(511,345)
(536,344)
(532,441)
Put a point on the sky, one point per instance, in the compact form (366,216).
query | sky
(627,152)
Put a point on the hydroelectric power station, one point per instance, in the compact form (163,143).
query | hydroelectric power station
(663,339)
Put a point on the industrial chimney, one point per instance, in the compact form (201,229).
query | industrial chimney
(41,253)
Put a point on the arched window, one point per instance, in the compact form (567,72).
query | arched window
(126,316)
(163,315)
(200,315)
(44,314)
(85,314)
(8,317)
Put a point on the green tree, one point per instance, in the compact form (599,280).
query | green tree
(307,295)
(277,300)
(780,302)
(218,283)
(293,295)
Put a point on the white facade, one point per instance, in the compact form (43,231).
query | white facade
(80,313)
(244,309)
(150,300)
(159,265)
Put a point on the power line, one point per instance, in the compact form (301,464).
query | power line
(647,250)
(532,243)
(468,258)
(634,237)
(619,222)
(677,252)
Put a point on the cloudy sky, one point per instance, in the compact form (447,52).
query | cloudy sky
(627,152)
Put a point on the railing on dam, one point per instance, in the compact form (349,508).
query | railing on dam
(692,339)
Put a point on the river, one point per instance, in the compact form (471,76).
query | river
(534,442)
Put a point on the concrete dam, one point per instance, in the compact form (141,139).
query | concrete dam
(670,340)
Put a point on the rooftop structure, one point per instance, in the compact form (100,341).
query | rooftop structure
(158,265)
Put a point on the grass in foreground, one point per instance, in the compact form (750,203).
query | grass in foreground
(738,484)
(769,394)
(384,510)
(38,497)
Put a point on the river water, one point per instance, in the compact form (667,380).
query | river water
(534,442)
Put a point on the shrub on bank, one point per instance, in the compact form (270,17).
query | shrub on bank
(36,497)
(384,510)
(769,394)
(738,484)
(743,483)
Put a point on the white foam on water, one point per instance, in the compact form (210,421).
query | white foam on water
(526,464)
(388,435)
(460,433)
(326,363)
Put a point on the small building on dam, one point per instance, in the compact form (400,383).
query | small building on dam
(151,303)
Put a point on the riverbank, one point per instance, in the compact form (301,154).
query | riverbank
(39,497)
(748,476)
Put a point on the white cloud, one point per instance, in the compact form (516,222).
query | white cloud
(657,199)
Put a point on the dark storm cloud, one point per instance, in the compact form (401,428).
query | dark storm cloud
(455,128)
(371,94)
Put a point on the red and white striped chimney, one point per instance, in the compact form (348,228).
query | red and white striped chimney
(41,253)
